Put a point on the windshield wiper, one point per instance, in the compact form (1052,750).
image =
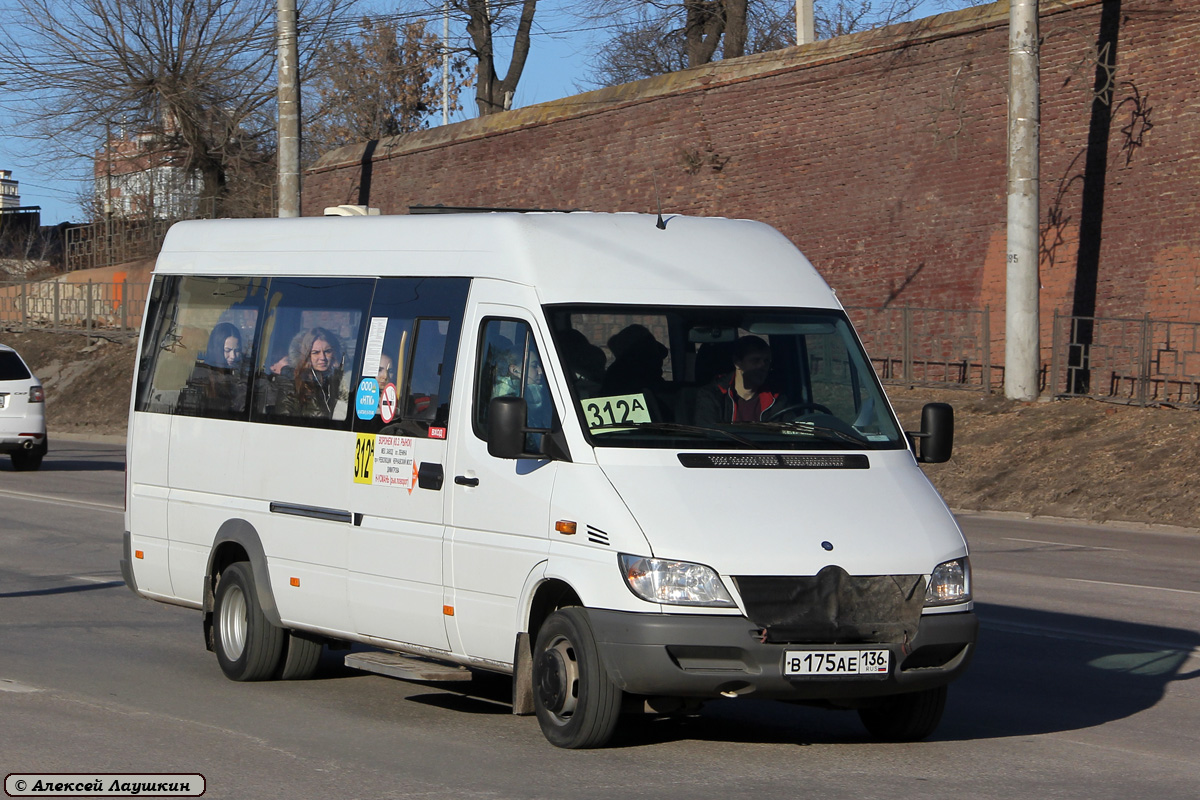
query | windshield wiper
(677,427)
(811,428)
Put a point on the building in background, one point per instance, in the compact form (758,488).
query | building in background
(143,177)
(10,197)
(24,247)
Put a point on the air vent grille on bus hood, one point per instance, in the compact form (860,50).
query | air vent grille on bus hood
(833,606)
(773,461)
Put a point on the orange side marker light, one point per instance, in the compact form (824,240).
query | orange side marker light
(448,611)
(295,581)
(139,554)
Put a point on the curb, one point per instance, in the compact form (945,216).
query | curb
(1121,525)
(95,438)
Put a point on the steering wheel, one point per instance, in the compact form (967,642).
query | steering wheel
(800,408)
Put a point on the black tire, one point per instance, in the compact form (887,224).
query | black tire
(303,655)
(249,648)
(905,717)
(576,704)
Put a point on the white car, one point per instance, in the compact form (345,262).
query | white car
(22,412)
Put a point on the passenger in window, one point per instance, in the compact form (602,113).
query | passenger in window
(539,407)
(638,362)
(386,374)
(314,388)
(269,383)
(637,369)
(585,361)
(217,379)
(503,368)
(744,395)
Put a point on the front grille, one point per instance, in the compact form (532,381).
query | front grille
(834,606)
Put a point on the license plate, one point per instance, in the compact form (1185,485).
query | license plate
(832,663)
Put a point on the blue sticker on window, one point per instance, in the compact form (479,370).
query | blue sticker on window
(366,404)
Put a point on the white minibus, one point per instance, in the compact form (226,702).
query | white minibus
(634,463)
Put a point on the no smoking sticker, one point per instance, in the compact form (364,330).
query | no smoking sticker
(387,403)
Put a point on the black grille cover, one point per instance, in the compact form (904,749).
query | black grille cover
(834,606)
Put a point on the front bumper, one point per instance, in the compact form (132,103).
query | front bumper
(705,656)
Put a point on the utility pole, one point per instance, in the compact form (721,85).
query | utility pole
(289,109)
(446,62)
(805,29)
(1022,351)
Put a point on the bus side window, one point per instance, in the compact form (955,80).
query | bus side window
(421,400)
(414,330)
(312,344)
(198,346)
(511,366)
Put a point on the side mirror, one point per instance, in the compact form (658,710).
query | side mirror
(937,434)
(506,427)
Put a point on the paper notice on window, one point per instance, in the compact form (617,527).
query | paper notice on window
(374,346)
(393,463)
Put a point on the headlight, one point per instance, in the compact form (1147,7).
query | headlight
(675,583)
(950,583)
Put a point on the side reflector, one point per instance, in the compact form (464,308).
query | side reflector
(448,611)
(565,526)
(139,554)
(295,581)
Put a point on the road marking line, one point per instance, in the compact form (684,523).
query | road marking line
(1134,586)
(62,501)
(109,579)
(8,685)
(1090,638)
(1064,544)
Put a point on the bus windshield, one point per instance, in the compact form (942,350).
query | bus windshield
(703,378)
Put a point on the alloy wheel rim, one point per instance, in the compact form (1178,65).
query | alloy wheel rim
(233,623)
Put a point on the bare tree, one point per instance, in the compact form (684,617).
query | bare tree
(195,74)
(493,93)
(381,83)
(840,17)
(485,20)
(25,249)
(647,45)
(658,36)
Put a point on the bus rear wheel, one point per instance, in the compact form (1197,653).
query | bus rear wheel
(248,647)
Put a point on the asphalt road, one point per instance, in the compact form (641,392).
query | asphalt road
(1084,686)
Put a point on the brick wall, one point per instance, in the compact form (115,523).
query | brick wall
(881,155)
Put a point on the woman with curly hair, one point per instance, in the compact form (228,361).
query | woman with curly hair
(315,385)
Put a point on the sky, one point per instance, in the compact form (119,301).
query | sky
(557,67)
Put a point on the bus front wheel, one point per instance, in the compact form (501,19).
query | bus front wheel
(577,705)
(905,717)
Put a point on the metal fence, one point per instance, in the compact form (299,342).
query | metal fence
(115,241)
(1138,361)
(62,306)
(940,347)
